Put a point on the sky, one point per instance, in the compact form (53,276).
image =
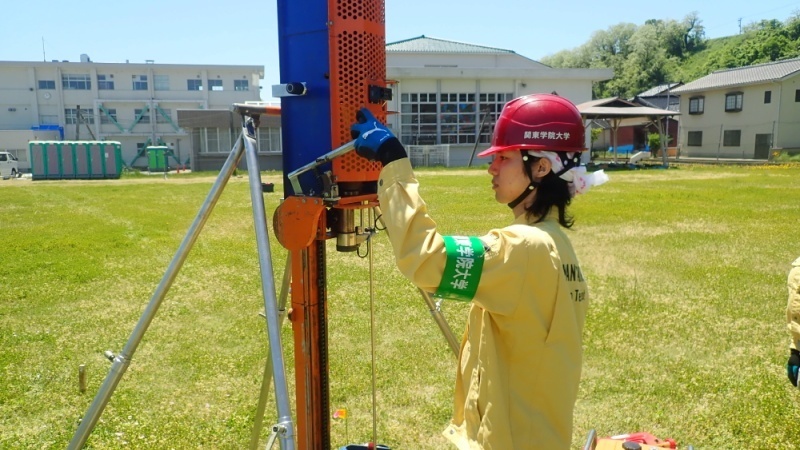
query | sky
(246,33)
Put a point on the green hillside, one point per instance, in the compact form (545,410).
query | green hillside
(666,51)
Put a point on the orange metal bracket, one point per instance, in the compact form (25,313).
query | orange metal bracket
(297,221)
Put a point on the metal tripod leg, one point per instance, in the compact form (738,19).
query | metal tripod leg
(122,360)
(285,427)
(120,363)
(434,309)
(258,424)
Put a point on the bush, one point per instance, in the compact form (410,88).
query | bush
(654,141)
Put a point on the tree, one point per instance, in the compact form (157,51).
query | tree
(647,61)
(695,34)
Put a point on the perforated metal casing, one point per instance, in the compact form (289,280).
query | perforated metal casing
(357,60)
(338,49)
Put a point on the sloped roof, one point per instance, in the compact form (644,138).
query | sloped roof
(612,102)
(425,44)
(659,90)
(617,108)
(660,102)
(741,76)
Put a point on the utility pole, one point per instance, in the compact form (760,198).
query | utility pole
(78,126)
(740,25)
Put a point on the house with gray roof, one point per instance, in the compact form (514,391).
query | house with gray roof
(745,112)
(662,96)
(449,94)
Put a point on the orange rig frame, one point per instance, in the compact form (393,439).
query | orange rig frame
(323,94)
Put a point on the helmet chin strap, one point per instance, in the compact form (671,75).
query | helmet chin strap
(524,194)
(528,161)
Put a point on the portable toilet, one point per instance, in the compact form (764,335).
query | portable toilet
(112,157)
(157,158)
(66,157)
(96,159)
(56,160)
(45,159)
(83,162)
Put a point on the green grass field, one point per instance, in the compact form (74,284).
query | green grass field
(685,336)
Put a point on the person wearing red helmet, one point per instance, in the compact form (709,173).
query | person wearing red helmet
(520,358)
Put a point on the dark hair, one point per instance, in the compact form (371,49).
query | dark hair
(552,191)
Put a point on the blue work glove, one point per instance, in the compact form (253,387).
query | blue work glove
(793,365)
(374,141)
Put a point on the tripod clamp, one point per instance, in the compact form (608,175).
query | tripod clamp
(253,112)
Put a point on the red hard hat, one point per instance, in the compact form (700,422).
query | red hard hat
(538,122)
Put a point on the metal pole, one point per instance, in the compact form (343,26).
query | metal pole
(665,138)
(438,317)
(434,309)
(293,176)
(477,138)
(121,361)
(372,342)
(591,440)
(267,379)
(615,128)
(285,426)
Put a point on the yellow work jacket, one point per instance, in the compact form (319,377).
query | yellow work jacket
(520,360)
(793,307)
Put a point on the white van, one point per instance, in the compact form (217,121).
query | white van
(9,165)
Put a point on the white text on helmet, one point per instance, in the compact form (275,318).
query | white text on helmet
(546,135)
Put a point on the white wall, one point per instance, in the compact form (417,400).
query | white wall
(16,141)
(24,105)
(756,117)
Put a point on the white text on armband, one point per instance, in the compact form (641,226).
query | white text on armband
(463,268)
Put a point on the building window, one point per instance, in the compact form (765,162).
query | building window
(215,140)
(458,119)
(47,84)
(269,140)
(767,96)
(695,139)
(105,82)
(48,119)
(418,118)
(161,82)
(697,105)
(797,95)
(490,107)
(104,118)
(160,116)
(241,85)
(733,102)
(71,116)
(732,138)
(194,85)
(76,82)
(457,115)
(145,117)
(139,82)
(215,85)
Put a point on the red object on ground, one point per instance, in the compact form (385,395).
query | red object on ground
(645,438)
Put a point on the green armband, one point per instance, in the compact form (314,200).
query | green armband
(462,272)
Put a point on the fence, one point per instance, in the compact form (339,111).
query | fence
(429,155)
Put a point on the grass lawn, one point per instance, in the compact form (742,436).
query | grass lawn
(685,337)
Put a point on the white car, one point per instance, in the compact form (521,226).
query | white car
(9,165)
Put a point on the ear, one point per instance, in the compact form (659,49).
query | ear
(542,168)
